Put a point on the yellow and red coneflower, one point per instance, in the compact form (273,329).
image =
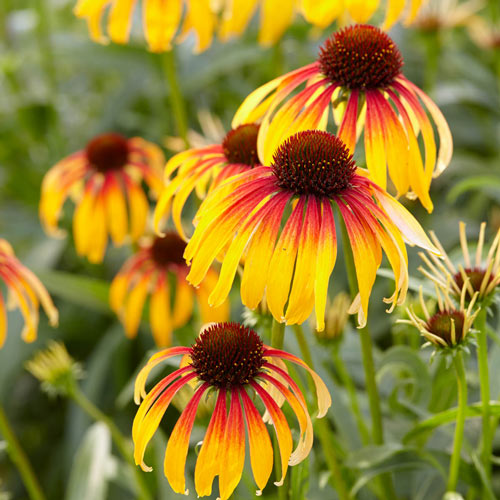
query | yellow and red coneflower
(358,72)
(151,271)
(311,172)
(105,180)
(24,291)
(231,360)
(161,20)
(277,15)
(206,166)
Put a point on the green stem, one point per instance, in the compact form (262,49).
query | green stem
(484,381)
(176,99)
(322,426)
(18,456)
(119,439)
(368,364)
(459,428)
(348,383)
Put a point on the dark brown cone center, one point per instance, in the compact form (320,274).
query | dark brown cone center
(240,145)
(108,152)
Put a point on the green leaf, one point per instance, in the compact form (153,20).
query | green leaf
(487,183)
(448,417)
(80,290)
(411,376)
(93,466)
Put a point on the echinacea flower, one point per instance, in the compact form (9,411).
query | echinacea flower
(311,173)
(151,271)
(210,165)
(105,181)
(277,15)
(478,276)
(442,14)
(232,361)
(160,20)
(24,291)
(450,325)
(358,73)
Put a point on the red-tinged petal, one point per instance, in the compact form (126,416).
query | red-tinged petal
(156,359)
(209,461)
(116,209)
(233,457)
(280,426)
(301,300)
(445,137)
(184,301)
(261,449)
(325,261)
(396,142)
(235,251)
(324,399)
(145,425)
(416,173)
(347,130)
(281,87)
(282,262)
(178,444)
(260,251)
(412,231)
(160,316)
(306,430)
(374,144)
(365,251)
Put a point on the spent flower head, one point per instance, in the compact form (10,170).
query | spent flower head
(57,371)
(336,316)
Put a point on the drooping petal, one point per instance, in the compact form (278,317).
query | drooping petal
(394,10)
(325,261)
(160,22)
(178,444)
(135,304)
(347,129)
(321,12)
(280,426)
(120,19)
(361,10)
(209,461)
(324,399)
(261,449)
(374,144)
(184,300)
(116,209)
(211,314)
(3,321)
(160,316)
(282,262)
(275,17)
(233,454)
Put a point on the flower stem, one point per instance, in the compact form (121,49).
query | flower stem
(18,456)
(118,438)
(322,427)
(368,365)
(176,99)
(484,381)
(459,429)
(348,383)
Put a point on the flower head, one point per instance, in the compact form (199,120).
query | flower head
(207,165)
(359,71)
(105,181)
(24,291)
(160,21)
(477,276)
(441,14)
(151,272)
(310,174)
(450,325)
(232,361)
(55,369)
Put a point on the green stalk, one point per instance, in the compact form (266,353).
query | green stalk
(176,99)
(118,438)
(484,381)
(459,429)
(18,456)
(368,365)
(322,427)
(348,383)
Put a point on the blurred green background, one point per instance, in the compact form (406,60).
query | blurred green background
(58,89)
